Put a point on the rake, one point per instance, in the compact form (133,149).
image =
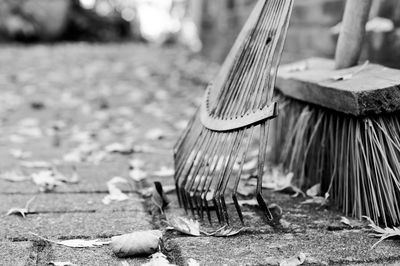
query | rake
(237,106)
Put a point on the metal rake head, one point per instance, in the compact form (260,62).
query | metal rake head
(210,155)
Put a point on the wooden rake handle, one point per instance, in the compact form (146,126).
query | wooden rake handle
(352,33)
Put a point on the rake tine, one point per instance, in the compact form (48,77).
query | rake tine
(261,158)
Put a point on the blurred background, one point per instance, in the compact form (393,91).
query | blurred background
(201,26)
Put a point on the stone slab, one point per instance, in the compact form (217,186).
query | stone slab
(73,225)
(63,202)
(320,248)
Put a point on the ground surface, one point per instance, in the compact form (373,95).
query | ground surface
(65,104)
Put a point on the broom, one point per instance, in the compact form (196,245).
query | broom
(238,105)
(339,125)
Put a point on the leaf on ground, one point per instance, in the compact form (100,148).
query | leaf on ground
(164,172)
(136,243)
(155,134)
(158,259)
(76,243)
(35,164)
(250,202)
(46,180)
(345,221)
(244,190)
(21,211)
(124,263)
(314,190)
(20,154)
(225,231)
(322,201)
(158,197)
(185,225)
(294,261)
(14,176)
(383,233)
(117,147)
(115,194)
(137,174)
(62,263)
(193,262)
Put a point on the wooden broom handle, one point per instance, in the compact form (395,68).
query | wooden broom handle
(352,33)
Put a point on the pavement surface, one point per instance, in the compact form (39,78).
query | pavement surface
(88,111)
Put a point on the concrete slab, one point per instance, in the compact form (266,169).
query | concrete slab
(76,202)
(73,225)
(320,247)
(16,253)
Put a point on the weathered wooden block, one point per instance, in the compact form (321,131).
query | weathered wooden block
(360,90)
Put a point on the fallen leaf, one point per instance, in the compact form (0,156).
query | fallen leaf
(155,134)
(20,154)
(115,194)
(345,221)
(245,191)
(250,202)
(164,172)
(76,243)
(314,190)
(137,174)
(21,211)
(35,164)
(124,263)
(158,259)
(383,233)
(62,263)
(119,148)
(13,176)
(225,231)
(193,262)
(294,261)
(158,197)
(136,243)
(322,201)
(184,225)
(46,180)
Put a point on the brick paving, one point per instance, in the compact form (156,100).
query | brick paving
(102,94)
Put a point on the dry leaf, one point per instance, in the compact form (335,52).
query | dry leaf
(76,243)
(136,243)
(294,261)
(323,201)
(245,191)
(62,263)
(20,154)
(314,190)
(158,259)
(250,202)
(13,176)
(383,233)
(35,164)
(225,231)
(155,134)
(193,262)
(137,174)
(184,225)
(21,211)
(119,148)
(46,180)
(164,172)
(115,194)
(345,221)
(158,197)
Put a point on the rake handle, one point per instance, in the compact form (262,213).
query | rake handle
(352,33)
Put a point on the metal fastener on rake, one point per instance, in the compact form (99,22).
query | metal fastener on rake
(211,152)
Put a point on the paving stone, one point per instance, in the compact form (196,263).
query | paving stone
(332,248)
(98,256)
(76,202)
(16,254)
(72,225)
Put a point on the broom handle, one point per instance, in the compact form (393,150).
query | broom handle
(352,33)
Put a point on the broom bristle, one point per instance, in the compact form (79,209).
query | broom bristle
(355,159)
